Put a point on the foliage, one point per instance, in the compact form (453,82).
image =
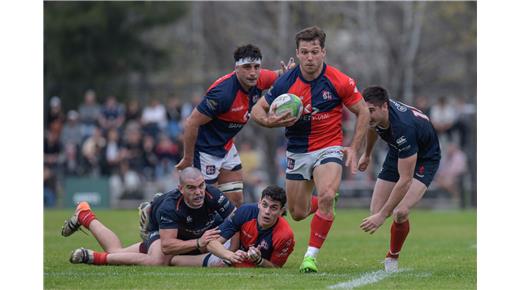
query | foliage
(98,44)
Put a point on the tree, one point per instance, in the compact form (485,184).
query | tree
(99,44)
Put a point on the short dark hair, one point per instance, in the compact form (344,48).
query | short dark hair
(310,34)
(376,95)
(247,50)
(276,193)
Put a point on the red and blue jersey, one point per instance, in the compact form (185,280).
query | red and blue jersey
(323,99)
(275,243)
(228,105)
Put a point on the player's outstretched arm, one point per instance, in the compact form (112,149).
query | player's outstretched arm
(191,130)
(365,158)
(405,167)
(262,116)
(360,109)
(255,256)
(217,248)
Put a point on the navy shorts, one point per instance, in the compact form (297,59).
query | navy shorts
(424,171)
(154,236)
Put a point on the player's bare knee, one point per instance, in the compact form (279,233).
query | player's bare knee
(326,202)
(297,214)
(400,214)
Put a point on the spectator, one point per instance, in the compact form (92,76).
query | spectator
(167,155)
(443,116)
(49,187)
(132,147)
(89,113)
(150,158)
(126,183)
(112,114)
(154,118)
(451,169)
(71,163)
(422,103)
(133,111)
(55,116)
(52,150)
(111,153)
(91,152)
(71,132)
(173,112)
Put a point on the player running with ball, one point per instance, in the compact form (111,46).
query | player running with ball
(410,165)
(315,149)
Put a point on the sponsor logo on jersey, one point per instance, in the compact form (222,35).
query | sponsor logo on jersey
(401,140)
(189,219)
(237,109)
(212,104)
(290,163)
(165,219)
(235,125)
(400,107)
(210,169)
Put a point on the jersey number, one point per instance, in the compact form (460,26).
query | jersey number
(418,113)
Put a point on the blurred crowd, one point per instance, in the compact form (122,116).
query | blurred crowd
(135,145)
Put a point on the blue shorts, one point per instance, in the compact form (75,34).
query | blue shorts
(154,236)
(424,171)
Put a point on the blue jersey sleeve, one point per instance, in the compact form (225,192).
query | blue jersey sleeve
(235,221)
(406,141)
(167,217)
(273,92)
(220,202)
(217,101)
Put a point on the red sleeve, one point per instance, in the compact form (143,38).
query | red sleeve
(266,79)
(345,86)
(283,240)
(351,95)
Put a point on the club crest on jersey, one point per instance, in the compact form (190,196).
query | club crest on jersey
(263,245)
(189,219)
(290,163)
(210,169)
(255,98)
(327,96)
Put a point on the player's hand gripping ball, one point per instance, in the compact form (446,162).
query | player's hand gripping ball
(287,102)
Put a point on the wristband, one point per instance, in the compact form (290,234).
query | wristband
(198,246)
(259,261)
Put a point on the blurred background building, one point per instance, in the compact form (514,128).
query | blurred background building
(120,78)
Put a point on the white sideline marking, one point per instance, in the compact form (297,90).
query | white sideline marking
(368,278)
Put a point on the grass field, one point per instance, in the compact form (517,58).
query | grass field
(440,253)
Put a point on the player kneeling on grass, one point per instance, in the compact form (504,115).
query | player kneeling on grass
(180,222)
(266,238)
(410,165)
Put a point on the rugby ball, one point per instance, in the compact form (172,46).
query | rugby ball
(287,102)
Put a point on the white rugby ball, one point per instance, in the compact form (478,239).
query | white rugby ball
(287,102)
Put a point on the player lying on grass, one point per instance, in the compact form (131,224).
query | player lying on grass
(266,238)
(181,222)
(410,165)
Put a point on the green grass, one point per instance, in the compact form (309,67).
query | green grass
(440,253)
